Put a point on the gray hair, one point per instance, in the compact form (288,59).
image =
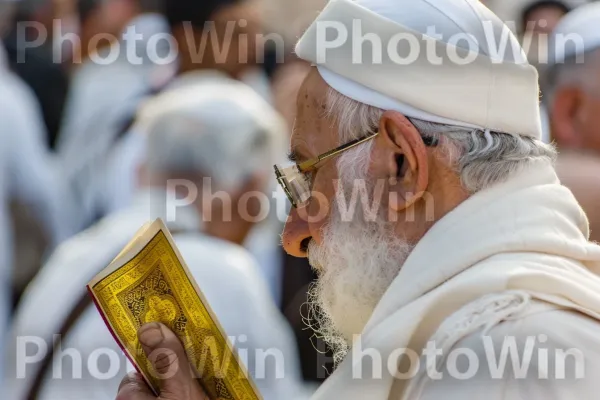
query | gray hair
(481,159)
(221,129)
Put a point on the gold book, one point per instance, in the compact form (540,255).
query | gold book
(149,282)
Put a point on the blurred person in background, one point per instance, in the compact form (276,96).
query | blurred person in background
(262,239)
(538,19)
(28,172)
(550,11)
(106,88)
(196,63)
(48,79)
(230,51)
(542,16)
(235,28)
(219,130)
(580,172)
(31,173)
(240,57)
(573,82)
(533,21)
(537,16)
(572,97)
(48,82)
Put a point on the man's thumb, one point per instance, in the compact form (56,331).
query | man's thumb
(167,356)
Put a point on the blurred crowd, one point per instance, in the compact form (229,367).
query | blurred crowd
(111,108)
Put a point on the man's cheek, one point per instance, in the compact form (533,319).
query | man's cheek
(316,225)
(323,198)
(317,212)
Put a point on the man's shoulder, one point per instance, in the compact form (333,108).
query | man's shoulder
(542,351)
(91,249)
(540,317)
(223,261)
(106,236)
(539,324)
(21,101)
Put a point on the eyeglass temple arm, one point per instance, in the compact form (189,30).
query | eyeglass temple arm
(309,164)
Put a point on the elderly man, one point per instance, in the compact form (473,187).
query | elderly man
(180,128)
(452,262)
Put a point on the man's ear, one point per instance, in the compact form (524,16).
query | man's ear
(563,114)
(406,162)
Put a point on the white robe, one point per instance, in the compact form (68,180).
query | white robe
(510,263)
(226,274)
(28,173)
(28,170)
(102,99)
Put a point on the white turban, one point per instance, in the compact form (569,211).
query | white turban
(469,81)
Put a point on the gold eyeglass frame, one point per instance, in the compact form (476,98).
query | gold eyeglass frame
(310,165)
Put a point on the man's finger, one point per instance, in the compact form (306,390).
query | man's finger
(133,387)
(171,366)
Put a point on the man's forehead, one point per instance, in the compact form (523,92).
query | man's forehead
(314,83)
(311,110)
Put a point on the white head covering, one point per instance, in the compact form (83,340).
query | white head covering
(496,91)
(580,24)
(214,125)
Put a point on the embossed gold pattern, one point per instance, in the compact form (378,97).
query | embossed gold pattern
(153,284)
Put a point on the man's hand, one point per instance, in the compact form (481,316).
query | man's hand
(166,353)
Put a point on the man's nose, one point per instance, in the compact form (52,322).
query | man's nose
(296,235)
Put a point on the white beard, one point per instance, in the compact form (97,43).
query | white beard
(356,262)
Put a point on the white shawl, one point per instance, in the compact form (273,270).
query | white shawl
(527,235)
